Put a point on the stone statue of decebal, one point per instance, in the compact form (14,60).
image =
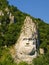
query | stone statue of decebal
(26,46)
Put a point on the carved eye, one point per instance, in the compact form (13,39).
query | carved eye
(33,43)
(30,39)
(25,39)
(20,53)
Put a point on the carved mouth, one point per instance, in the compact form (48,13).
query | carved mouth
(32,53)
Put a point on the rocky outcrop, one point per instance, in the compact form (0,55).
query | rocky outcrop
(25,48)
(41,50)
(9,14)
(11,17)
(1,13)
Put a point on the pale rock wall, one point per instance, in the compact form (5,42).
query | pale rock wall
(25,48)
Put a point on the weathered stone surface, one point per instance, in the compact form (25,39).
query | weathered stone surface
(25,47)
(11,17)
(41,51)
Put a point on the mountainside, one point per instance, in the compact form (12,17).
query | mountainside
(11,22)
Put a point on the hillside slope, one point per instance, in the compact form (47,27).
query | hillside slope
(11,22)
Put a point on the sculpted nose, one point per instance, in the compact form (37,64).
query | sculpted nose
(27,44)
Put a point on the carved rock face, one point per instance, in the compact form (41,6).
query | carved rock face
(26,44)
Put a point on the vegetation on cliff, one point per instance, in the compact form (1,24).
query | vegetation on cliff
(9,33)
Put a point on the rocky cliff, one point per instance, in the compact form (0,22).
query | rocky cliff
(26,46)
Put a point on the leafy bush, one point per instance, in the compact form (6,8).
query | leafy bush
(42,60)
(22,63)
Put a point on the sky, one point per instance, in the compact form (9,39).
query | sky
(36,8)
